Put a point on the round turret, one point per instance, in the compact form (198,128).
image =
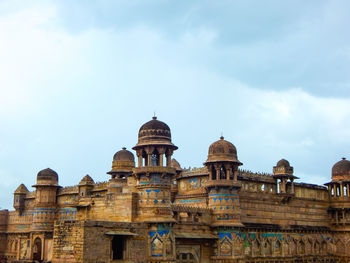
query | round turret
(341,170)
(222,151)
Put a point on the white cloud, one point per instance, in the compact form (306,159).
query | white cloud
(84,95)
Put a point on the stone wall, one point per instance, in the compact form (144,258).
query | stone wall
(68,242)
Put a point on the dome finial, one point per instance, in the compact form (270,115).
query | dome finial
(343,158)
(154,115)
(124,148)
(222,136)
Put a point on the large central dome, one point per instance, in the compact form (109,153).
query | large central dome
(154,132)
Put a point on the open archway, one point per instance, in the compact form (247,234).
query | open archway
(37,248)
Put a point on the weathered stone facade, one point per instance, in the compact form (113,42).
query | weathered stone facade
(156,211)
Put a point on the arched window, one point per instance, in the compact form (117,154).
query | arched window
(222,173)
(155,158)
(213,172)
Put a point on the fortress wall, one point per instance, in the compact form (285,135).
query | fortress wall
(3,220)
(68,242)
(117,207)
(260,208)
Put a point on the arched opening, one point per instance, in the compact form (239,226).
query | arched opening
(344,191)
(332,191)
(301,248)
(213,172)
(222,173)
(155,158)
(278,248)
(37,248)
(117,247)
(144,159)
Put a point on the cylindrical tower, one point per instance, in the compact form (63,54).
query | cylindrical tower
(153,173)
(223,186)
(45,200)
(339,194)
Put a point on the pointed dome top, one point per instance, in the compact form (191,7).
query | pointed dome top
(222,150)
(21,189)
(175,164)
(341,170)
(87,180)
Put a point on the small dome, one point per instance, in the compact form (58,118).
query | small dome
(222,150)
(124,155)
(47,174)
(283,162)
(341,170)
(22,189)
(87,180)
(283,168)
(175,164)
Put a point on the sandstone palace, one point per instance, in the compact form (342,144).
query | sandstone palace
(154,211)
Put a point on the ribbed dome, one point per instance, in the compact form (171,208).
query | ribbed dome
(222,150)
(47,174)
(341,170)
(154,132)
(124,155)
(155,128)
(283,162)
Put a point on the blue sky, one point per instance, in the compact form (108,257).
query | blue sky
(78,79)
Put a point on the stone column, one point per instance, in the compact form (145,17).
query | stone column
(334,190)
(217,169)
(235,175)
(161,159)
(210,172)
(347,190)
(228,171)
(341,190)
(292,186)
(139,156)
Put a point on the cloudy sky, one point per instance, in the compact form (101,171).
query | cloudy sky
(78,79)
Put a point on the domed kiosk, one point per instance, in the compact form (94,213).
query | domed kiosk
(222,164)
(123,163)
(153,173)
(283,173)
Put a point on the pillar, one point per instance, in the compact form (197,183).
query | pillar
(341,190)
(228,171)
(139,157)
(217,169)
(210,173)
